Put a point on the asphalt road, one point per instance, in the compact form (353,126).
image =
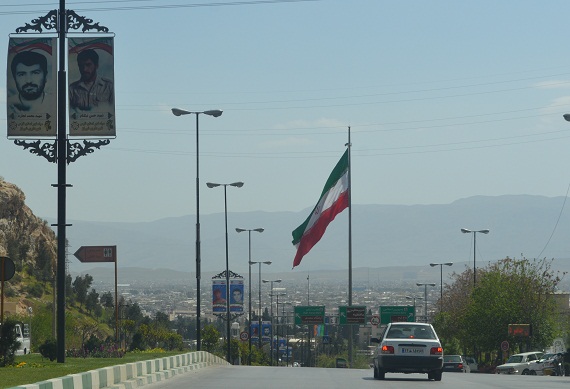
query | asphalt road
(254,377)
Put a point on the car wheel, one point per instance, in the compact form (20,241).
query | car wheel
(375,373)
(436,375)
(525,372)
(381,373)
(532,372)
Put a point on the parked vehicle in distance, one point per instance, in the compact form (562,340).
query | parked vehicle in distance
(408,347)
(472,363)
(549,364)
(520,363)
(455,363)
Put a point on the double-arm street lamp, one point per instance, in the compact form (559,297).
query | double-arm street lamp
(271,316)
(259,301)
(441,265)
(228,333)
(215,113)
(260,230)
(425,285)
(466,231)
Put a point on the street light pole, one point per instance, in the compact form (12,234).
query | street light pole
(215,113)
(260,230)
(277,325)
(228,332)
(425,285)
(259,301)
(271,316)
(441,265)
(466,231)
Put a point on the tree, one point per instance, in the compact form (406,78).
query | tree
(107,300)
(210,338)
(507,292)
(92,301)
(80,287)
(8,342)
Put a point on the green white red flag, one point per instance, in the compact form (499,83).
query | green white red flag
(334,199)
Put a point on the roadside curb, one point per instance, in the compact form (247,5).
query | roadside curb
(131,375)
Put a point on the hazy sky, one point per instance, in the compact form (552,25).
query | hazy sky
(446,99)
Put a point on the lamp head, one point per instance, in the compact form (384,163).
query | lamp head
(448,263)
(258,229)
(212,184)
(434,264)
(566,117)
(267,262)
(214,112)
(465,230)
(484,231)
(237,184)
(240,230)
(178,112)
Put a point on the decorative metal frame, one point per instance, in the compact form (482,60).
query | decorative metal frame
(48,150)
(233,315)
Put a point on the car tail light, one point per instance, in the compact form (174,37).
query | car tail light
(436,351)
(387,349)
(460,365)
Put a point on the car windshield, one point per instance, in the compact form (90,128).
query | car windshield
(515,359)
(411,332)
(451,358)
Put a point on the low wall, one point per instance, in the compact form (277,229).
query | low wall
(131,375)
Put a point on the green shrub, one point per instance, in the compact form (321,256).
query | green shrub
(8,343)
(49,349)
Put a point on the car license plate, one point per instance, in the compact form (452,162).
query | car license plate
(412,350)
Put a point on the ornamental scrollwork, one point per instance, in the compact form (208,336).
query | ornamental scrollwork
(49,22)
(76,150)
(76,22)
(46,150)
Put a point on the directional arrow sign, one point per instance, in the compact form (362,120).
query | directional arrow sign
(309,314)
(96,254)
(352,314)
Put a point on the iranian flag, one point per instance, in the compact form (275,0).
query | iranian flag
(333,200)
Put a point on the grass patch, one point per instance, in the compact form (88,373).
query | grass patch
(32,368)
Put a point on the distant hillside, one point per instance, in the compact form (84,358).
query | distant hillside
(383,236)
(29,243)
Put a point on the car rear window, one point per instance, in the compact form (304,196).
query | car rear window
(407,331)
(451,358)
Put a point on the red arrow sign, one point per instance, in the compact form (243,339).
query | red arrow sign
(96,254)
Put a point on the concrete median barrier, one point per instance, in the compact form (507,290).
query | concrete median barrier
(131,375)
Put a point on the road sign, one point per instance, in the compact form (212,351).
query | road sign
(7,269)
(375,320)
(96,254)
(391,314)
(504,345)
(352,315)
(310,315)
(244,336)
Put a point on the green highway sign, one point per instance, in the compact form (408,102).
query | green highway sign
(391,314)
(314,314)
(352,314)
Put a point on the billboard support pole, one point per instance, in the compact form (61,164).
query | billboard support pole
(61,151)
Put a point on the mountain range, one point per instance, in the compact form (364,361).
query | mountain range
(382,236)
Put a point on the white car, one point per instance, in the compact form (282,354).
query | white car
(520,363)
(409,348)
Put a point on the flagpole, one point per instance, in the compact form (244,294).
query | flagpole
(349,246)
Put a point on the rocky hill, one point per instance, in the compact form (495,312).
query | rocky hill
(28,241)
